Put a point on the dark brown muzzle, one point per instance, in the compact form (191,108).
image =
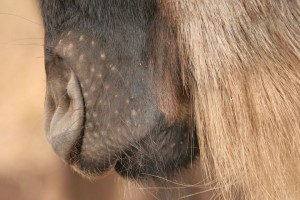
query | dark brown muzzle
(114,93)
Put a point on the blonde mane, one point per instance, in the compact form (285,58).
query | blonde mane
(241,62)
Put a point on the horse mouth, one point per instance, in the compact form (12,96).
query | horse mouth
(94,140)
(159,153)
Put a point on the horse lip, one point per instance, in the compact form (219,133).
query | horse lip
(93,174)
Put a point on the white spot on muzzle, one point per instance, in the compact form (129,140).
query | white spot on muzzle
(70,46)
(64,51)
(133,113)
(69,49)
(96,134)
(103,132)
(88,103)
(113,68)
(81,38)
(106,87)
(81,57)
(102,56)
(90,125)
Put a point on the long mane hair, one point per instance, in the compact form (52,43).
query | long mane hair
(241,62)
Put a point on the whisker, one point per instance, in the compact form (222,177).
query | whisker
(24,18)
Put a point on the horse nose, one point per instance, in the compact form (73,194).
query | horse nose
(64,107)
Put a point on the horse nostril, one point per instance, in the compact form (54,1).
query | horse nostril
(64,107)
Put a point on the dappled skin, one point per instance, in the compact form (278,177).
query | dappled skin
(108,102)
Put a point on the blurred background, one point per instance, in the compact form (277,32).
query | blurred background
(29,170)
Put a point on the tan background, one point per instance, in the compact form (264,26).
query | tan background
(29,170)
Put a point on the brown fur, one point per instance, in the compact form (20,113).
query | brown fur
(241,63)
(167,84)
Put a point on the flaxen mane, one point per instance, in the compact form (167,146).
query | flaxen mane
(241,61)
